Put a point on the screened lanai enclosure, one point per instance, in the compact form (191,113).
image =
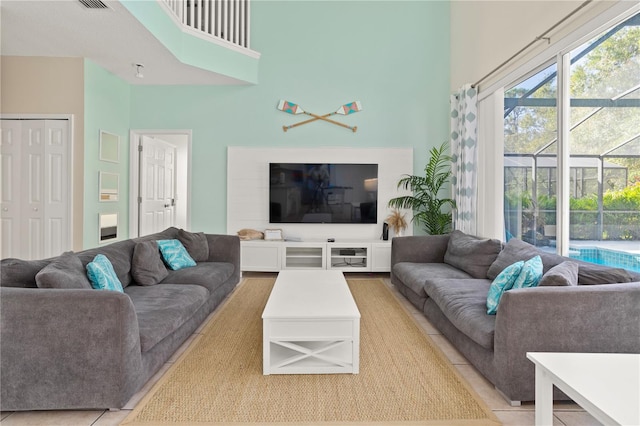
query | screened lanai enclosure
(602,137)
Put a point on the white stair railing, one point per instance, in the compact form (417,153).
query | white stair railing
(226,20)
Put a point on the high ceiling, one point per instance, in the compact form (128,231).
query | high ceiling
(111,37)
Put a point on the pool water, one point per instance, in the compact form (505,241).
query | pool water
(607,257)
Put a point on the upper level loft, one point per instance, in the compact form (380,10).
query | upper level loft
(222,21)
(177,42)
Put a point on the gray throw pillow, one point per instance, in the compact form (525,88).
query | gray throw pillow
(591,273)
(20,273)
(196,244)
(147,267)
(471,254)
(64,272)
(516,250)
(564,274)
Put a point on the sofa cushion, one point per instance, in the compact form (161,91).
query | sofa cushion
(195,243)
(591,273)
(175,255)
(162,309)
(503,282)
(65,271)
(210,275)
(530,274)
(471,254)
(102,275)
(463,302)
(118,253)
(414,275)
(147,267)
(516,250)
(564,274)
(20,273)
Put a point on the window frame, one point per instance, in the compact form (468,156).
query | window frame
(491,124)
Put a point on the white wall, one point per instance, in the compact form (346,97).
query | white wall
(248,187)
(486,33)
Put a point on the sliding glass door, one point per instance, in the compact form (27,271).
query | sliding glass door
(602,136)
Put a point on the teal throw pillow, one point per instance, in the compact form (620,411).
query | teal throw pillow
(102,275)
(175,255)
(503,282)
(531,273)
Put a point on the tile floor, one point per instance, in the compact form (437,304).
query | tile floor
(565,414)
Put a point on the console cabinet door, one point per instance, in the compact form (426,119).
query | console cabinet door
(260,256)
(381,257)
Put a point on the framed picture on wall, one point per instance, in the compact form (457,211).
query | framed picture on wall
(109,147)
(109,186)
(108,227)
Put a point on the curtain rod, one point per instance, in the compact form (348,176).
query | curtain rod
(540,37)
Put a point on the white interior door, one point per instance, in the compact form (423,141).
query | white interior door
(11,164)
(32,183)
(157,185)
(35,188)
(56,187)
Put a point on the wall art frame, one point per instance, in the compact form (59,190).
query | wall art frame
(109,147)
(108,187)
(107,227)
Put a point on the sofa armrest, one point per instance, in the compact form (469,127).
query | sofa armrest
(594,318)
(224,248)
(418,249)
(67,349)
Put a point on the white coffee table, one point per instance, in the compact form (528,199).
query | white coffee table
(311,325)
(606,385)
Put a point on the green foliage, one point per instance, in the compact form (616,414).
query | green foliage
(428,209)
(621,213)
(588,203)
(626,199)
(607,71)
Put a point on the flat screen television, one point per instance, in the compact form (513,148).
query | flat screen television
(323,193)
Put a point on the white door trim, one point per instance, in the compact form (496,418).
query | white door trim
(134,173)
(70,156)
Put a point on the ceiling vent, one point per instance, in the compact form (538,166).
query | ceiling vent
(93,4)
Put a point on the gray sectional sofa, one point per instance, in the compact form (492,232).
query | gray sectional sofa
(447,277)
(66,346)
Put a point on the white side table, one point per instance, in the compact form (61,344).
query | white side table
(606,385)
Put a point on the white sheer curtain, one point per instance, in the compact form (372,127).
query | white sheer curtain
(464,142)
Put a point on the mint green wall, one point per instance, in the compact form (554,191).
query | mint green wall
(393,56)
(106,107)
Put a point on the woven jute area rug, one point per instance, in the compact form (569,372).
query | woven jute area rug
(403,379)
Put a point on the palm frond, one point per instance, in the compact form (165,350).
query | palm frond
(425,203)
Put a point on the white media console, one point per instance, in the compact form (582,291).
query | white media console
(357,246)
(342,255)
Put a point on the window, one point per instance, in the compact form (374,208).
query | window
(604,151)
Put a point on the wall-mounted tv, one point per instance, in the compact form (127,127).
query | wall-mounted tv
(323,193)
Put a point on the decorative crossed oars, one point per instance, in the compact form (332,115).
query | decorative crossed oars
(295,109)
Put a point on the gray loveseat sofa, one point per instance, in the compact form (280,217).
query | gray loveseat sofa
(80,348)
(447,277)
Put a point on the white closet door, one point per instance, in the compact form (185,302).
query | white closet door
(56,188)
(35,188)
(32,188)
(10,208)
(157,185)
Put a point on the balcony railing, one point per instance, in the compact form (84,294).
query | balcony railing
(222,20)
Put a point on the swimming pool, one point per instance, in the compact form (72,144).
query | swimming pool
(608,257)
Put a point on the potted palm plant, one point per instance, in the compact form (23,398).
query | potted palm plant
(429,210)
